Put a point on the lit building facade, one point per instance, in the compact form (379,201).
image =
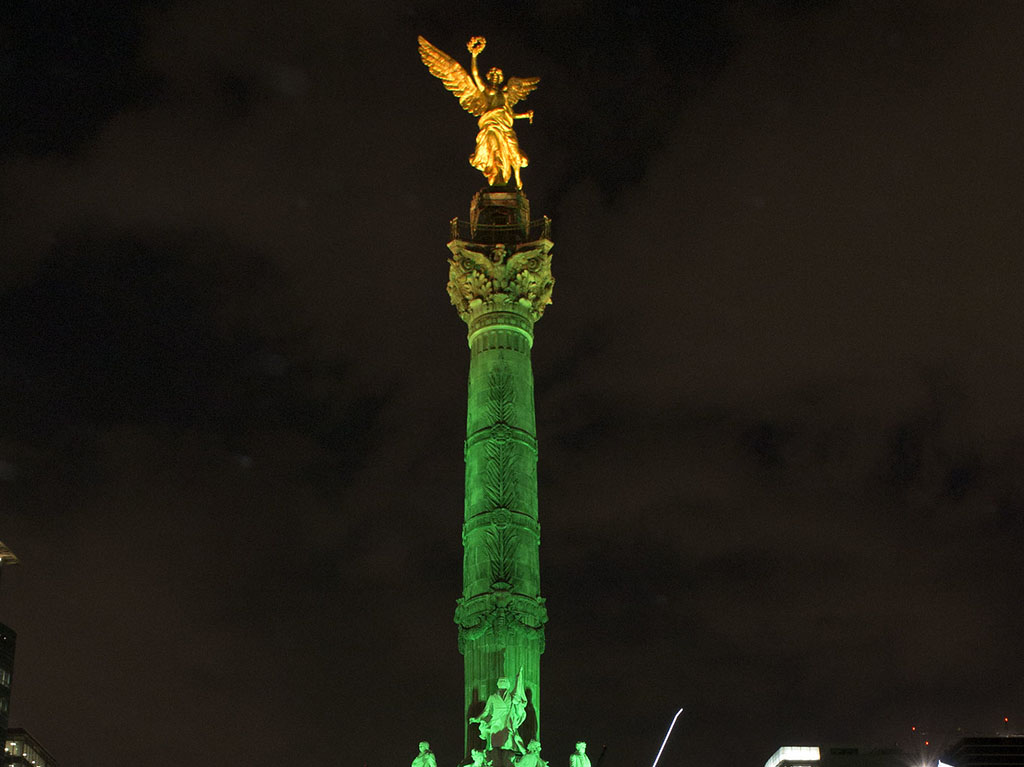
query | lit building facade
(840,756)
(795,756)
(22,750)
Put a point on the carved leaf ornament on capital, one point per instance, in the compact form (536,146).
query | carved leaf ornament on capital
(522,276)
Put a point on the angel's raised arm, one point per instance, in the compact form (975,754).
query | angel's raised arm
(468,90)
(475,45)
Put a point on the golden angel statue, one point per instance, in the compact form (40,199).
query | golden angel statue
(497,153)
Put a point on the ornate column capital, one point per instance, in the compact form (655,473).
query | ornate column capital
(499,277)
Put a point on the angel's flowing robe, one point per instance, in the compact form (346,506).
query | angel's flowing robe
(497,152)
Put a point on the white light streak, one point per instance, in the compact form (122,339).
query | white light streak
(666,738)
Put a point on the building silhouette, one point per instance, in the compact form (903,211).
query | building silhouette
(7,642)
(985,751)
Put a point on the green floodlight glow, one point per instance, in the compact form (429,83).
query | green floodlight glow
(673,724)
(500,282)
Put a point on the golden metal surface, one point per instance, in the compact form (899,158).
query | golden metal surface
(497,153)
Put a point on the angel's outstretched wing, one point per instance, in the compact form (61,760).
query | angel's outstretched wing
(519,88)
(454,77)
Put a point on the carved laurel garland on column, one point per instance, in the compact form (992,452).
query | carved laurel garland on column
(501,397)
(482,273)
(501,490)
(501,546)
(501,614)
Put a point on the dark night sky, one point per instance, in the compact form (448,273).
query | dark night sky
(782,448)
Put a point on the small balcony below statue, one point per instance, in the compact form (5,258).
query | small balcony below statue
(508,234)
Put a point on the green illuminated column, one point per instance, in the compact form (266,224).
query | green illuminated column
(500,282)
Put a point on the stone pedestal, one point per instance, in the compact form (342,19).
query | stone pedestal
(500,206)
